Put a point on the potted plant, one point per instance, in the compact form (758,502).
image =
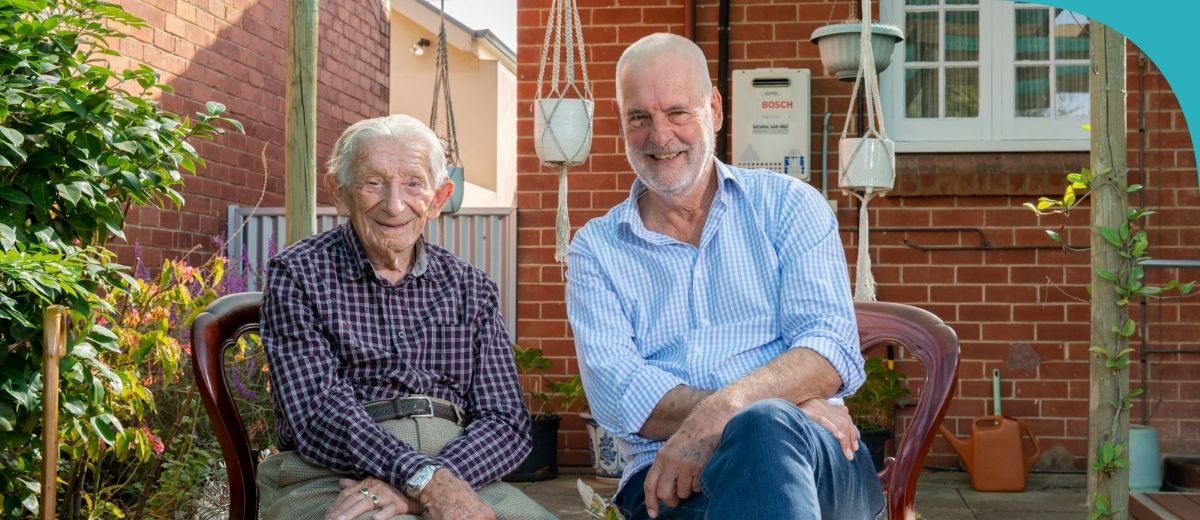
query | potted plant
(873,404)
(542,461)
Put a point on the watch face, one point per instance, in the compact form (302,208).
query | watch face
(419,481)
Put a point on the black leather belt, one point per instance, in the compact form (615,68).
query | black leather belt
(402,407)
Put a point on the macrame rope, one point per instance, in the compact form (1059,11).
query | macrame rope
(441,85)
(864,281)
(868,78)
(562,41)
(562,221)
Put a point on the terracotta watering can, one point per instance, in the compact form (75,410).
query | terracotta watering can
(996,454)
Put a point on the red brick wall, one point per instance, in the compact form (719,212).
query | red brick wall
(1019,310)
(235,52)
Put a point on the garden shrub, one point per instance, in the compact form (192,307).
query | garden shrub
(79,144)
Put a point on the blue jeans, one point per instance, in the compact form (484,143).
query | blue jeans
(772,463)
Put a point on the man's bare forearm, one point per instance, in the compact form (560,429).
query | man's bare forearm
(670,412)
(797,376)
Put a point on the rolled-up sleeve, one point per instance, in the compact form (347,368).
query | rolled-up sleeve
(622,387)
(816,308)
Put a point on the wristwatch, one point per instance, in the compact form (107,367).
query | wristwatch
(419,481)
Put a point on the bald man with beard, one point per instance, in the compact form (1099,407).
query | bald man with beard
(713,319)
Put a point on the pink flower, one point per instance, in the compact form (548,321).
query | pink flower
(156,443)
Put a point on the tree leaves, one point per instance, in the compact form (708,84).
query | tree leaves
(79,144)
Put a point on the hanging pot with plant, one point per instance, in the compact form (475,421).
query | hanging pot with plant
(563,109)
(840,46)
(867,163)
(441,87)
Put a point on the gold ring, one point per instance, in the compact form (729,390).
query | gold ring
(374,499)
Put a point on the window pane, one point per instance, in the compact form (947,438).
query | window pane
(1032,32)
(962,2)
(921,37)
(1033,91)
(1071,91)
(920,93)
(962,92)
(962,35)
(1070,36)
(920,2)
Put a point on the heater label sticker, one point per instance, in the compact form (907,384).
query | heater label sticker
(770,129)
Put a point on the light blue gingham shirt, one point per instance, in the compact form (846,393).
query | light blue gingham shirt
(650,313)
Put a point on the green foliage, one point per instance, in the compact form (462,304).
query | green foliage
(79,144)
(1111,457)
(872,405)
(565,391)
(1128,283)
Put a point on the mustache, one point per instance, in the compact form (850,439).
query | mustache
(651,149)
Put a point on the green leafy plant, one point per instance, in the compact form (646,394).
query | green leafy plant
(564,391)
(873,404)
(80,143)
(1128,282)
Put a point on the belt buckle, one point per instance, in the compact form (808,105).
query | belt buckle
(428,406)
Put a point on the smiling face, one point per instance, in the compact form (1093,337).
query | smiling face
(390,198)
(669,122)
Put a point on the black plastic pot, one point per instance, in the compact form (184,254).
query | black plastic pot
(542,462)
(876,441)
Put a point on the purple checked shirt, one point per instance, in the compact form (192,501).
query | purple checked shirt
(338,336)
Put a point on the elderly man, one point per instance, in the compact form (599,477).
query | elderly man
(713,319)
(393,376)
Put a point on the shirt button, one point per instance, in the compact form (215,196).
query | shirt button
(704,322)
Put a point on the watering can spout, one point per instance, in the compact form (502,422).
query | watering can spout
(961,447)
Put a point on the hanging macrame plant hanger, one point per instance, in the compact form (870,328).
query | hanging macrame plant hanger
(563,110)
(441,87)
(866,164)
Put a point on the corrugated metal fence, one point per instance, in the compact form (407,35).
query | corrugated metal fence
(486,237)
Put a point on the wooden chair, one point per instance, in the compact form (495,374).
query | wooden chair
(924,335)
(215,330)
(927,338)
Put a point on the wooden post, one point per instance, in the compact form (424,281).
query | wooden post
(1109,205)
(54,347)
(300,187)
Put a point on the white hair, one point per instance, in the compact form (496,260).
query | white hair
(659,46)
(345,151)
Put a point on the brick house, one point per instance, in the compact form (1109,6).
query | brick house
(235,52)
(1017,306)
(1016,300)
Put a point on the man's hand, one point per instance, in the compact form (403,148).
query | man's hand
(449,498)
(675,474)
(836,419)
(352,502)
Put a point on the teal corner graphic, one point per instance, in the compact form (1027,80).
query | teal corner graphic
(1160,29)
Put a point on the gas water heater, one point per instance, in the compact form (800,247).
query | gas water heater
(771,123)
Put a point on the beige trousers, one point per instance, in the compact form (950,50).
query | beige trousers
(293,489)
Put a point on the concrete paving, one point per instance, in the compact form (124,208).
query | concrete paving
(941,495)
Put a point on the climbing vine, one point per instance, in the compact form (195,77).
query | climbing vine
(1128,281)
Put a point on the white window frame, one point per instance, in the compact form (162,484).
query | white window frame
(996,129)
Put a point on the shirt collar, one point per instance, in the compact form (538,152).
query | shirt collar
(354,257)
(628,212)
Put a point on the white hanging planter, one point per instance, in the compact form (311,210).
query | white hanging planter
(839,46)
(459,177)
(562,130)
(866,163)
(562,108)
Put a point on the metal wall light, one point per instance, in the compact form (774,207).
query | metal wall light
(419,47)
